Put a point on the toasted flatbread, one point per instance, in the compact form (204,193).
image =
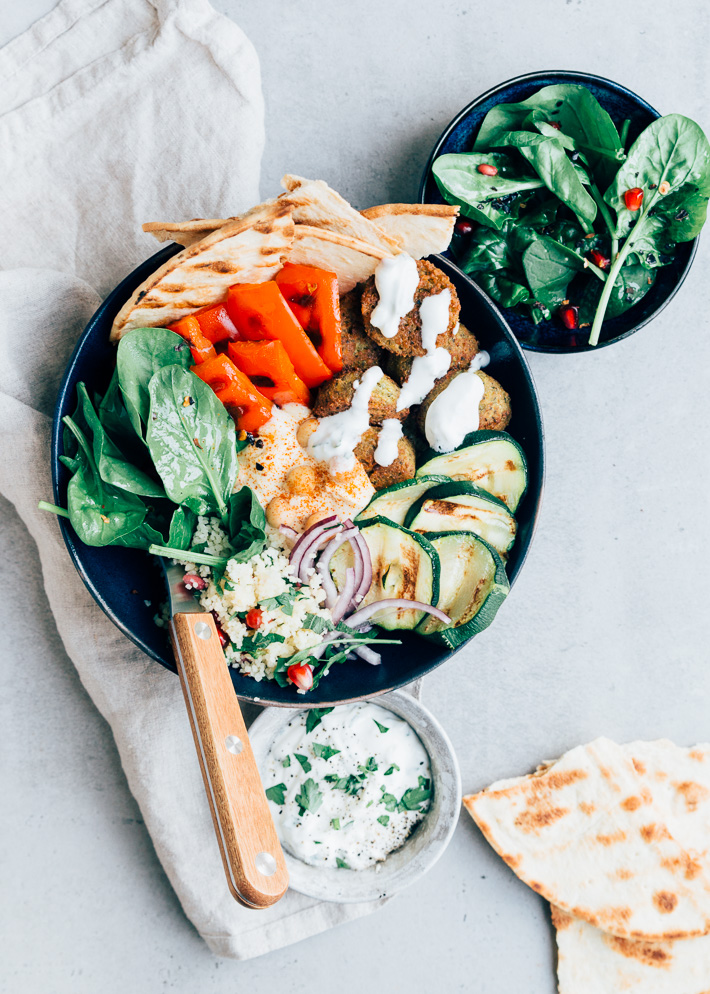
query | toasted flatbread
(249,249)
(420,229)
(185,233)
(616,835)
(590,961)
(313,203)
(351,259)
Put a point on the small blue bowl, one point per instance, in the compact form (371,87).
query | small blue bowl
(127,584)
(621,103)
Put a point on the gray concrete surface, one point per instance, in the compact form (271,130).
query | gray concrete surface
(605,633)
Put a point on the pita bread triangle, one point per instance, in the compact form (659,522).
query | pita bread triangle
(618,836)
(248,249)
(419,229)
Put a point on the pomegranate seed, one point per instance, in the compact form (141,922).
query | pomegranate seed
(223,639)
(301,676)
(254,617)
(556,125)
(487,170)
(464,226)
(633,198)
(599,259)
(191,581)
(569,317)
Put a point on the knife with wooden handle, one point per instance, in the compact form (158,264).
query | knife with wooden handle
(251,852)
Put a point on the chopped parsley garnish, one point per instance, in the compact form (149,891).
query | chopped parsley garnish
(284,601)
(384,819)
(413,798)
(316,624)
(277,794)
(304,761)
(260,641)
(286,762)
(350,784)
(382,728)
(315,716)
(369,767)
(341,864)
(324,751)
(309,798)
(335,823)
(389,800)
(392,768)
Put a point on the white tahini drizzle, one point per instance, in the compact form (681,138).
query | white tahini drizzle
(429,368)
(355,821)
(455,412)
(337,435)
(388,442)
(396,280)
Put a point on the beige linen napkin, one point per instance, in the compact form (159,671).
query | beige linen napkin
(112,113)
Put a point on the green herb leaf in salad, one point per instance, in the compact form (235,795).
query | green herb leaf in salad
(141,353)
(325,752)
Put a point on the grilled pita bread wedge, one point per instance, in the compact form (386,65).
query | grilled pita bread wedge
(616,835)
(313,203)
(420,229)
(249,249)
(185,233)
(590,961)
(350,259)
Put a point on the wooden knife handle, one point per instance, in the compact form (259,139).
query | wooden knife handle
(251,852)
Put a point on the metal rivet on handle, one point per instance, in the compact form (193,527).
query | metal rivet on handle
(265,864)
(234,744)
(203,631)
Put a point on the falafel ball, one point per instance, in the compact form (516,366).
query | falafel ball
(337,394)
(408,340)
(494,410)
(403,468)
(359,351)
(463,348)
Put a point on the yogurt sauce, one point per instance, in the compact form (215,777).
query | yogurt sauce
(387,448)
(349,792)
(334,440)
(396,280)
(455,412)
(429,368)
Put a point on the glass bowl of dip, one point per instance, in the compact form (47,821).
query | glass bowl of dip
(413,742)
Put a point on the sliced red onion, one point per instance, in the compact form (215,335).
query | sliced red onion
(331,591)
(305,549)
(395,602)
(369,655)
(288,531)
(364,559)
(344,602)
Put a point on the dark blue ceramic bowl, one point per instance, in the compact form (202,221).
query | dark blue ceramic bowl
(459,136)
(127,584)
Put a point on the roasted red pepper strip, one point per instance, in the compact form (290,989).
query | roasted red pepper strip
(248,407)
(271,371)
(259,311)
(216,324)
(189,327)
(312,295)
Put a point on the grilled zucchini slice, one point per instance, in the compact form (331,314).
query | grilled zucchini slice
(491,460)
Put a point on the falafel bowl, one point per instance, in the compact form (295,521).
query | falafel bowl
(299,411)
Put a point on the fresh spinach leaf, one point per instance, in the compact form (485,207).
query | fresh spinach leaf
(479,195)
(549,268)
(141,353)
(182,528)
(277,794)
(487,251)
(632,284)
(502,289)
(246,524)
(113,413)
(309,798)
(191,439)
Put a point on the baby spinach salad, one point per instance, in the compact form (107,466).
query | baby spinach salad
(154,452)
(559,217)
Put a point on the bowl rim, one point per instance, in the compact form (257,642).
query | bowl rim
(65,400)
(570,75)
(380,881)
